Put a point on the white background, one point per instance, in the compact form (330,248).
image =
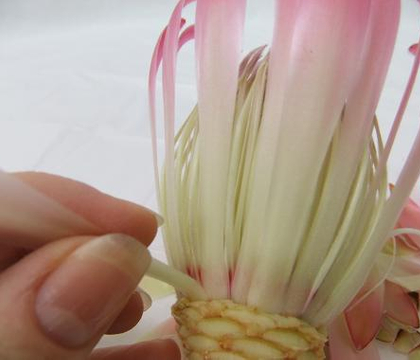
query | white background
(73,94)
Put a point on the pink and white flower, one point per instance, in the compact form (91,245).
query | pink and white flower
(274,190)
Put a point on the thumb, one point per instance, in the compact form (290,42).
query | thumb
(58,301)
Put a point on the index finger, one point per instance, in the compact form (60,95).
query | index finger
(104,213)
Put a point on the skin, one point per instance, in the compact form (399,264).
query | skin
(22,273)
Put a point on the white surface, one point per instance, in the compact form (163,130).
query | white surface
(73,92)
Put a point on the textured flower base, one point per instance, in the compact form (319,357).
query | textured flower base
(223,330)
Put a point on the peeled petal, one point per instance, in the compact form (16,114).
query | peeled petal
(400,306)
(340,344)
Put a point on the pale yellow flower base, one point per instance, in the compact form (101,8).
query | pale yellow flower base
(223,330)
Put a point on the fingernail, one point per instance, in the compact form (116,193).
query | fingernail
(145,298)
(159,219)
(87,291)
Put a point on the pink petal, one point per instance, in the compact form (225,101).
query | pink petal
(169,57)
(361,106)
(400,113)
(154,67)
(166,51)
(359,112)
(400,306)
(187,35)
(340,345)
(362,328)
(312,68)
(218,32)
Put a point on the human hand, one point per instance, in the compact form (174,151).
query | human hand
(56,301)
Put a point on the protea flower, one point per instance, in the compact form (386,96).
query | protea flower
(274,191)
